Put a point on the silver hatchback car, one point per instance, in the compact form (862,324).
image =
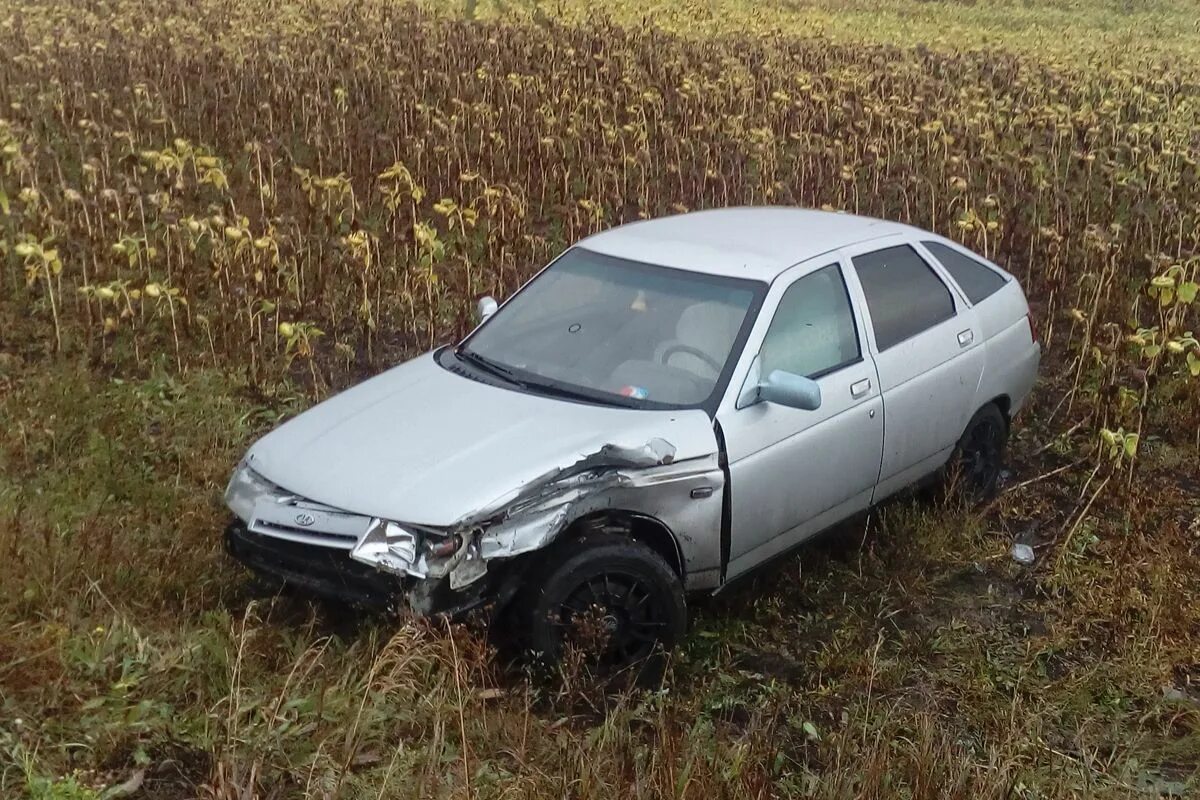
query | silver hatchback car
(666,406)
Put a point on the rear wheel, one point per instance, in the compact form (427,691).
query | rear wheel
(613,599)
(980,453)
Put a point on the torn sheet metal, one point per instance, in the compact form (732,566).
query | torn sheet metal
(608,458)
(388,547)
(541,510)
(533,515)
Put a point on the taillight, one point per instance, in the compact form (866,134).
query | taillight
(1032,327)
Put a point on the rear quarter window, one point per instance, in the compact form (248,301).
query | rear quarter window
(904,295)
(977,280)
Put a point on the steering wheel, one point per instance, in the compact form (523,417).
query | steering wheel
(680,347)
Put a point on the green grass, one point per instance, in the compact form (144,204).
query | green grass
(907,658)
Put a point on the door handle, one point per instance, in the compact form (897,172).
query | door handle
(860,388)
(966,337)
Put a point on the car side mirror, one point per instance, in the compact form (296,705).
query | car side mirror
(780,387)
(791,390)
(486,307)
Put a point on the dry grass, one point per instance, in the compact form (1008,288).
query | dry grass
(213,215)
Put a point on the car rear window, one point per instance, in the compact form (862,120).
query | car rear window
(904,295)
(976,279)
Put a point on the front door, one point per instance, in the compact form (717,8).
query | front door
(794,472)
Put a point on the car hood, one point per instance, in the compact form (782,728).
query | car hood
(423,445)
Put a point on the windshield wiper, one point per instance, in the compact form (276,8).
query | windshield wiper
(550,389)
(556,389)
(488,365)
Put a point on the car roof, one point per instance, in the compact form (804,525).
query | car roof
(747,242)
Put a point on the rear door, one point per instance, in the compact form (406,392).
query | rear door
(928,351)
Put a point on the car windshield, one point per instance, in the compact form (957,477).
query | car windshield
(619,331)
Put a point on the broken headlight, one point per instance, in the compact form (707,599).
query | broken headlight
(395,548)
(388,547)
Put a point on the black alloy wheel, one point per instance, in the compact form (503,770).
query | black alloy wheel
(613,598)
(981,452)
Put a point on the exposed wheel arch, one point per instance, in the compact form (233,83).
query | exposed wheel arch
(637,526)
(1004,403)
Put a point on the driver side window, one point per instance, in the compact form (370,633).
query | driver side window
(813,330)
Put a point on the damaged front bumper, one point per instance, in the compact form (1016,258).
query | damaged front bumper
(351,557)
(332,574)
(481,557)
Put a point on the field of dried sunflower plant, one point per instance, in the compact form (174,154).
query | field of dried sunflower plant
(213,213)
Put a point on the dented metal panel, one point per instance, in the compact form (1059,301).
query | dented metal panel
(643,479)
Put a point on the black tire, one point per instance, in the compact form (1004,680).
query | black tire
(623,584)
(979,455)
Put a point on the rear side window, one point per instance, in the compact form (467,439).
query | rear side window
(904,295)
(977,280)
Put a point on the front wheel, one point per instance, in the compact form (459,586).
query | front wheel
(980,453)
(613,598)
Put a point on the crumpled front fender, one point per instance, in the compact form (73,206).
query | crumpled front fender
(684,496)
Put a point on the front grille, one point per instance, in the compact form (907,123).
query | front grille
(290,533)
(281,515)
(322,570)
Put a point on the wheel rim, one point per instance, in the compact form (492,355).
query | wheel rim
(981,456)
(628,613)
